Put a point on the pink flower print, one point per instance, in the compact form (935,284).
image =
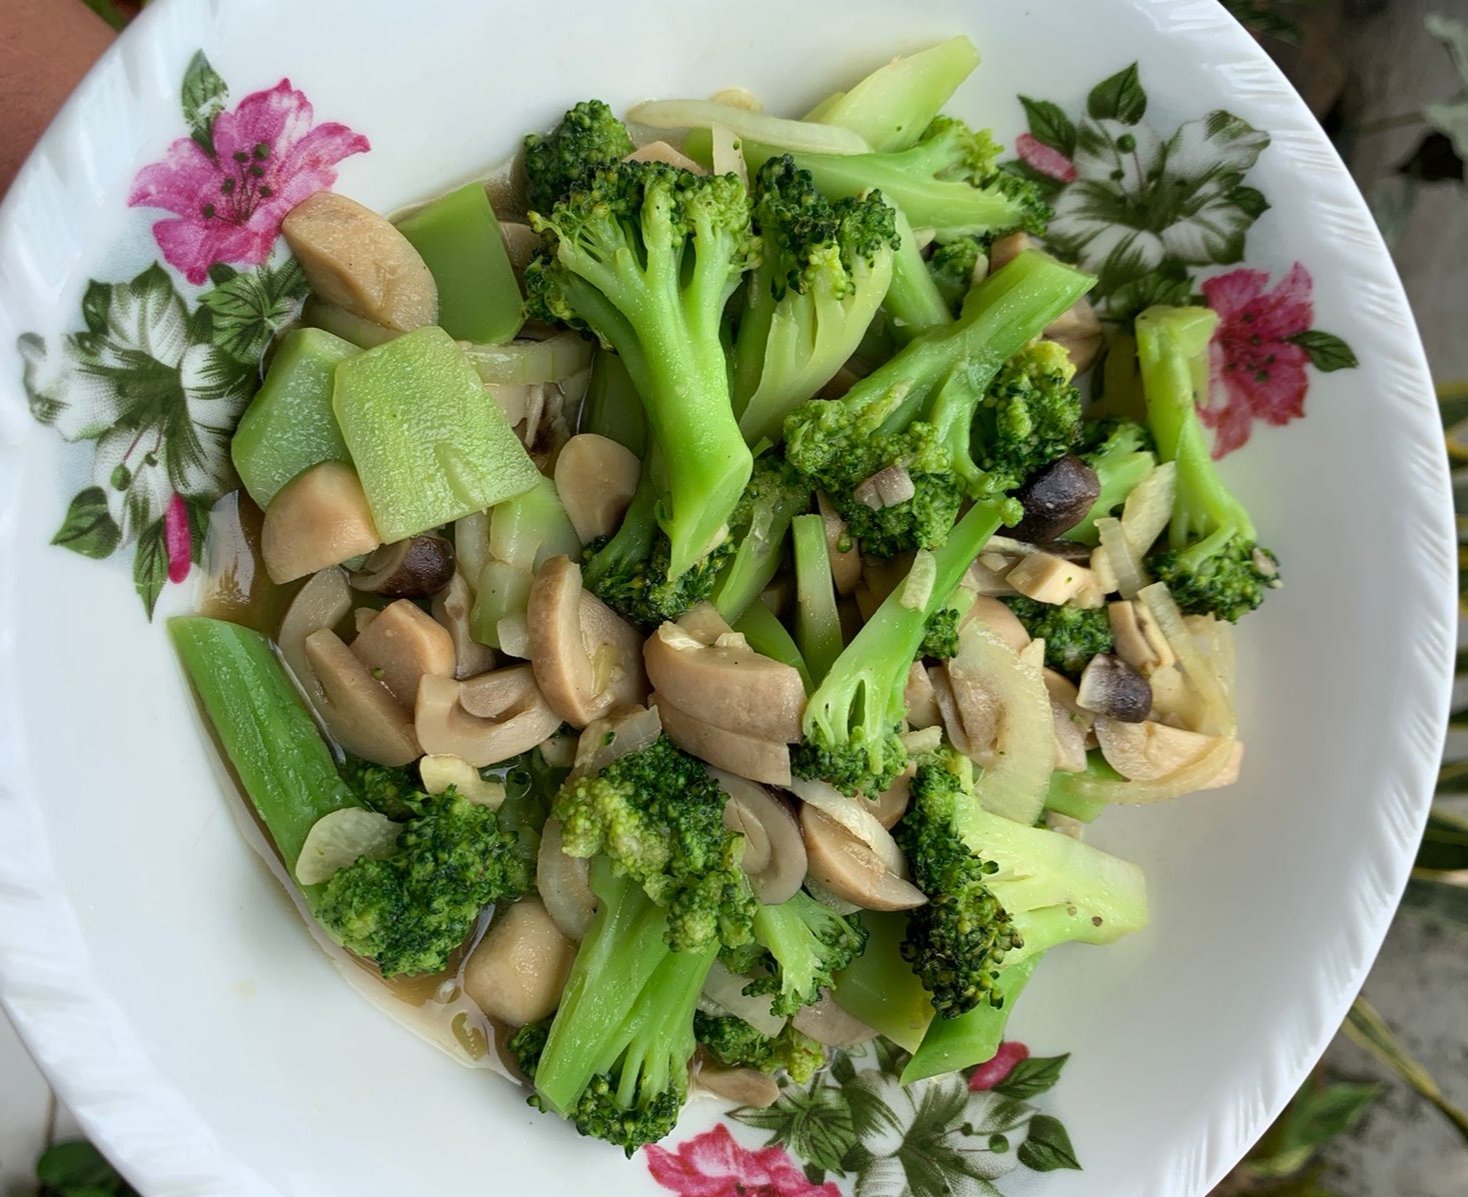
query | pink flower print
(714,1165)
(228,207)
(177,539)
(1046,159)
(996,1070)
(1258,371)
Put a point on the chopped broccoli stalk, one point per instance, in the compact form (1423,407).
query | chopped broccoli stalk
(774,496)
(951,265)
(612,408)
(659,818)
(940,635)
(852,720)
(646,256)
(588,137)
(630,572)
(957,941)
(892,106)
(915,304)
(1120,451)
(735,1044)
(953,1044)
(805,945)
(1065,797)
(1213,563)
(769,637)
(817,621)
(917,412)
(880,987)
(823,272)
(615,1060)
(1072,635)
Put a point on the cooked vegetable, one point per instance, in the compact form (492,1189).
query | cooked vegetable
(735,1043)
(1072,635)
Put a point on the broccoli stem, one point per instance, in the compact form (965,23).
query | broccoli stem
(817,621)
(612,407)
(769,637)
(880,987)
(269,736)
(914,301)
(953,1044)
(1067,795)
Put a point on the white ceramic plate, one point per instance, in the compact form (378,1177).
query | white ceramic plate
(159,973)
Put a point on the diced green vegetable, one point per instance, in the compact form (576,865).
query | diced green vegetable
(459,240)
(525,363)
(529,529)
(762,628)
(612,408)
(429,444)
(952,1044)
(817,622)
(361,332)
(880,987)
(281,759)
(289,425)
(501,590)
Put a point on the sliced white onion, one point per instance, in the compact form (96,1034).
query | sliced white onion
(1148,508)
(522,363)
(606,740)
(726,991)
(1125,562)
(852,813)
(728,157)
(562,883)
(1199,672)
(342,838)
(826,898)
(767,130)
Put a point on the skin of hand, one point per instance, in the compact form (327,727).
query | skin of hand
(48,45)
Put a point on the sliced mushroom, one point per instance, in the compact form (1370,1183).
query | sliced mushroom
(918,700)
(401,645)
(1072,723)
(1174,702)
(987,575)
(948,711)
(828,1024)
(841,547)
(323,602)
(748,756)
(1006,249)
(319,518)
(520,722)
(998,618)
(850,869)
(359,712)
(976,707)
(774,853)
(587,658)
(891,804)
(726,684)
(451,607)
(521,242)
(518,970)
(1056,498)
(661,151)
(411,568)
(439,772)
(1139,641)
(563,885)
(1150,750)
(362,619)
(886,488)
(1114,690)
(603,741)
(596,479)
(357,260)
(1047,578)
(749,1087)
(1078,329)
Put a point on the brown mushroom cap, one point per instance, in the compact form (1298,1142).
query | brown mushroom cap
(518,970)
(587,658)
(451,607)
(849,869)
(774,853)
(323,602)
(359,712)
(596,479)
(445,726)
(1112,688)
(357,260)
(726,684)
(402,644)
(1056,498)
(748,756)
(319,518)
(413,568)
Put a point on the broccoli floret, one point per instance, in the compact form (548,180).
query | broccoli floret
(408,911)
(805,944)
(588,137)
(1031,889)
(736,1044)
(1029,416)
(1072,635)
(1212,562)
(824,269)
(1120,451)
(952,266)
(659,818)
(394,792)
(940,635)
(917,412)
(646,256)
(615,1059)
(851,722)
(957,941)
(776,494)
(630,571)
(526,1046)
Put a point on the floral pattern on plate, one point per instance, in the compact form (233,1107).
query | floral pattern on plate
(158,376)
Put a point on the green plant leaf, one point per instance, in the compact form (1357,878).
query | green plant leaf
(150,565)
(1261,19)
(1047,1149)
(1050,126)
(1444,847)
(89,528)
(1452,778)
(203,97)
(247,310)
(1327,351)
(77,1169)
(1315,1116)
(1119,98)
(1452,399)
(1032,1076)
(1367,1029)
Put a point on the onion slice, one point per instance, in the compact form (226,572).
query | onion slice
(755,126)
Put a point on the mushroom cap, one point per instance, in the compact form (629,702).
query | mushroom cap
(767,761)
(413,568)
(774,852)
(319,518)
(451,607)
(828,1024)
(400,645)
(726,684)
(1150,750)
(850,869)
(323,602)
(521,719)
(358,710)
(517,971)
(587,658)
(596,478)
